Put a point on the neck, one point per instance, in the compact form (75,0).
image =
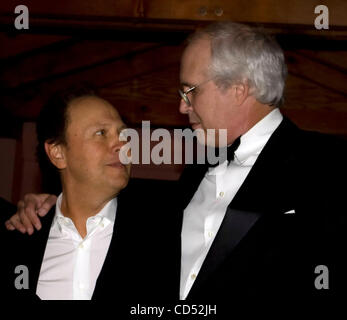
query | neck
(79,204)
(256,111)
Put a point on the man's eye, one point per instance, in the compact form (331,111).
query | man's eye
(190,91)
(194,91)
(100,132)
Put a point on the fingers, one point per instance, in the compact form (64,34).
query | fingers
(26,217)
(9,226)
(47,204)
(27,213)
(15,223)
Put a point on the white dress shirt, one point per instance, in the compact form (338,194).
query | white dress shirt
(71,265)
(205,212)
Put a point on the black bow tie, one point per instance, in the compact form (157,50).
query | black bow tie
(230,152)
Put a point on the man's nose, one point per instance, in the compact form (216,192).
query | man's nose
(184,108)
(117,144)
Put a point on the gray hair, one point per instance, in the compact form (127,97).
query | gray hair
(239,53)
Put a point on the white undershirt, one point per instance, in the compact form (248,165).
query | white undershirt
(205,212)
(71,265)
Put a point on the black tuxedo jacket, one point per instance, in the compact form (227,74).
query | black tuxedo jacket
(261,252)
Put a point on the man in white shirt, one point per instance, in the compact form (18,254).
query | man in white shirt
(259,226)
(79,135)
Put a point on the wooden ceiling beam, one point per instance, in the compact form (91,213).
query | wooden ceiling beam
(19,45)
(296,16)
(55,62)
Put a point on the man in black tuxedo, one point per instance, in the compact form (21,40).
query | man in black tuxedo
(269,222)
(83,247)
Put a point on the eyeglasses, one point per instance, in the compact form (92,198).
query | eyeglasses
(184,94)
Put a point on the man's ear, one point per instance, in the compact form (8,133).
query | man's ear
(55,153)
(240,92)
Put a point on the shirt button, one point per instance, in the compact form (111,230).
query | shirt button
(210,234)
(101,225)
(193,276)
(81,246)
(221,194)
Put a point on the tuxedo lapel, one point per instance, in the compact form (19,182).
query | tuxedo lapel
(111,276)
(268,185)
(235,226)
(39,243)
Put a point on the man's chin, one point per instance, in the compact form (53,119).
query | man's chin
(118,186)
(117,179)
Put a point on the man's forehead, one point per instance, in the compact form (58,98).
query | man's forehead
(93,111)
(198,48)
(195,59)
(89,102)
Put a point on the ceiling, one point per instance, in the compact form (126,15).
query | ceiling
(130,52)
